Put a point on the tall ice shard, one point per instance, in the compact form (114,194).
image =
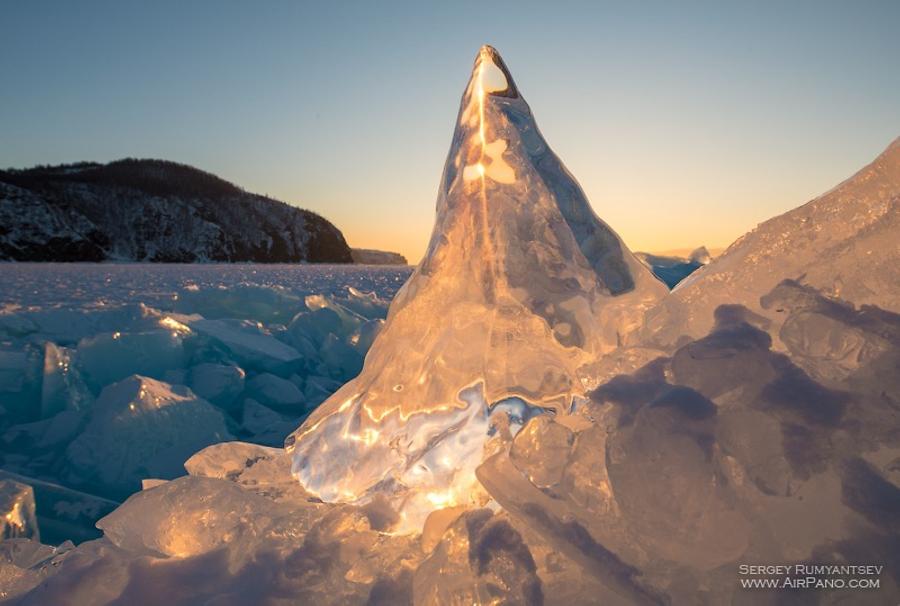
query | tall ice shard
(521,286)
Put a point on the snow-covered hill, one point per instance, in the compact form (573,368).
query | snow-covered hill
(153,210)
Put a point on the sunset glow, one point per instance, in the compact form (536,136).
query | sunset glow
(679,134)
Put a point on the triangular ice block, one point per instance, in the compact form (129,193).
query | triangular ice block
(521,286)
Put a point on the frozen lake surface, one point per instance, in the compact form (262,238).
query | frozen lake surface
(68,284)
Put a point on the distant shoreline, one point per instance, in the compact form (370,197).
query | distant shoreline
(114,263)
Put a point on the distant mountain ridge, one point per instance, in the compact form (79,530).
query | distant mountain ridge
(153,211)
(369,256)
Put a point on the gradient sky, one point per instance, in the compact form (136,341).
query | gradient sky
(685,123)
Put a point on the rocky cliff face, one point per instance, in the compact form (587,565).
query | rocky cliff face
(153,211)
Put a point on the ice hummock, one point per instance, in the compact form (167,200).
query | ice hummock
(521,286)
(142,428)
(257,346)
(843,243)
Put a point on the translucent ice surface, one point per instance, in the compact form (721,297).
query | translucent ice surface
(142,428)
(17,515)
(854,226)
(261,345)
(522,285)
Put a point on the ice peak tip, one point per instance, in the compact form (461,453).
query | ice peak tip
(492,73)
(487,49)
(490,54)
